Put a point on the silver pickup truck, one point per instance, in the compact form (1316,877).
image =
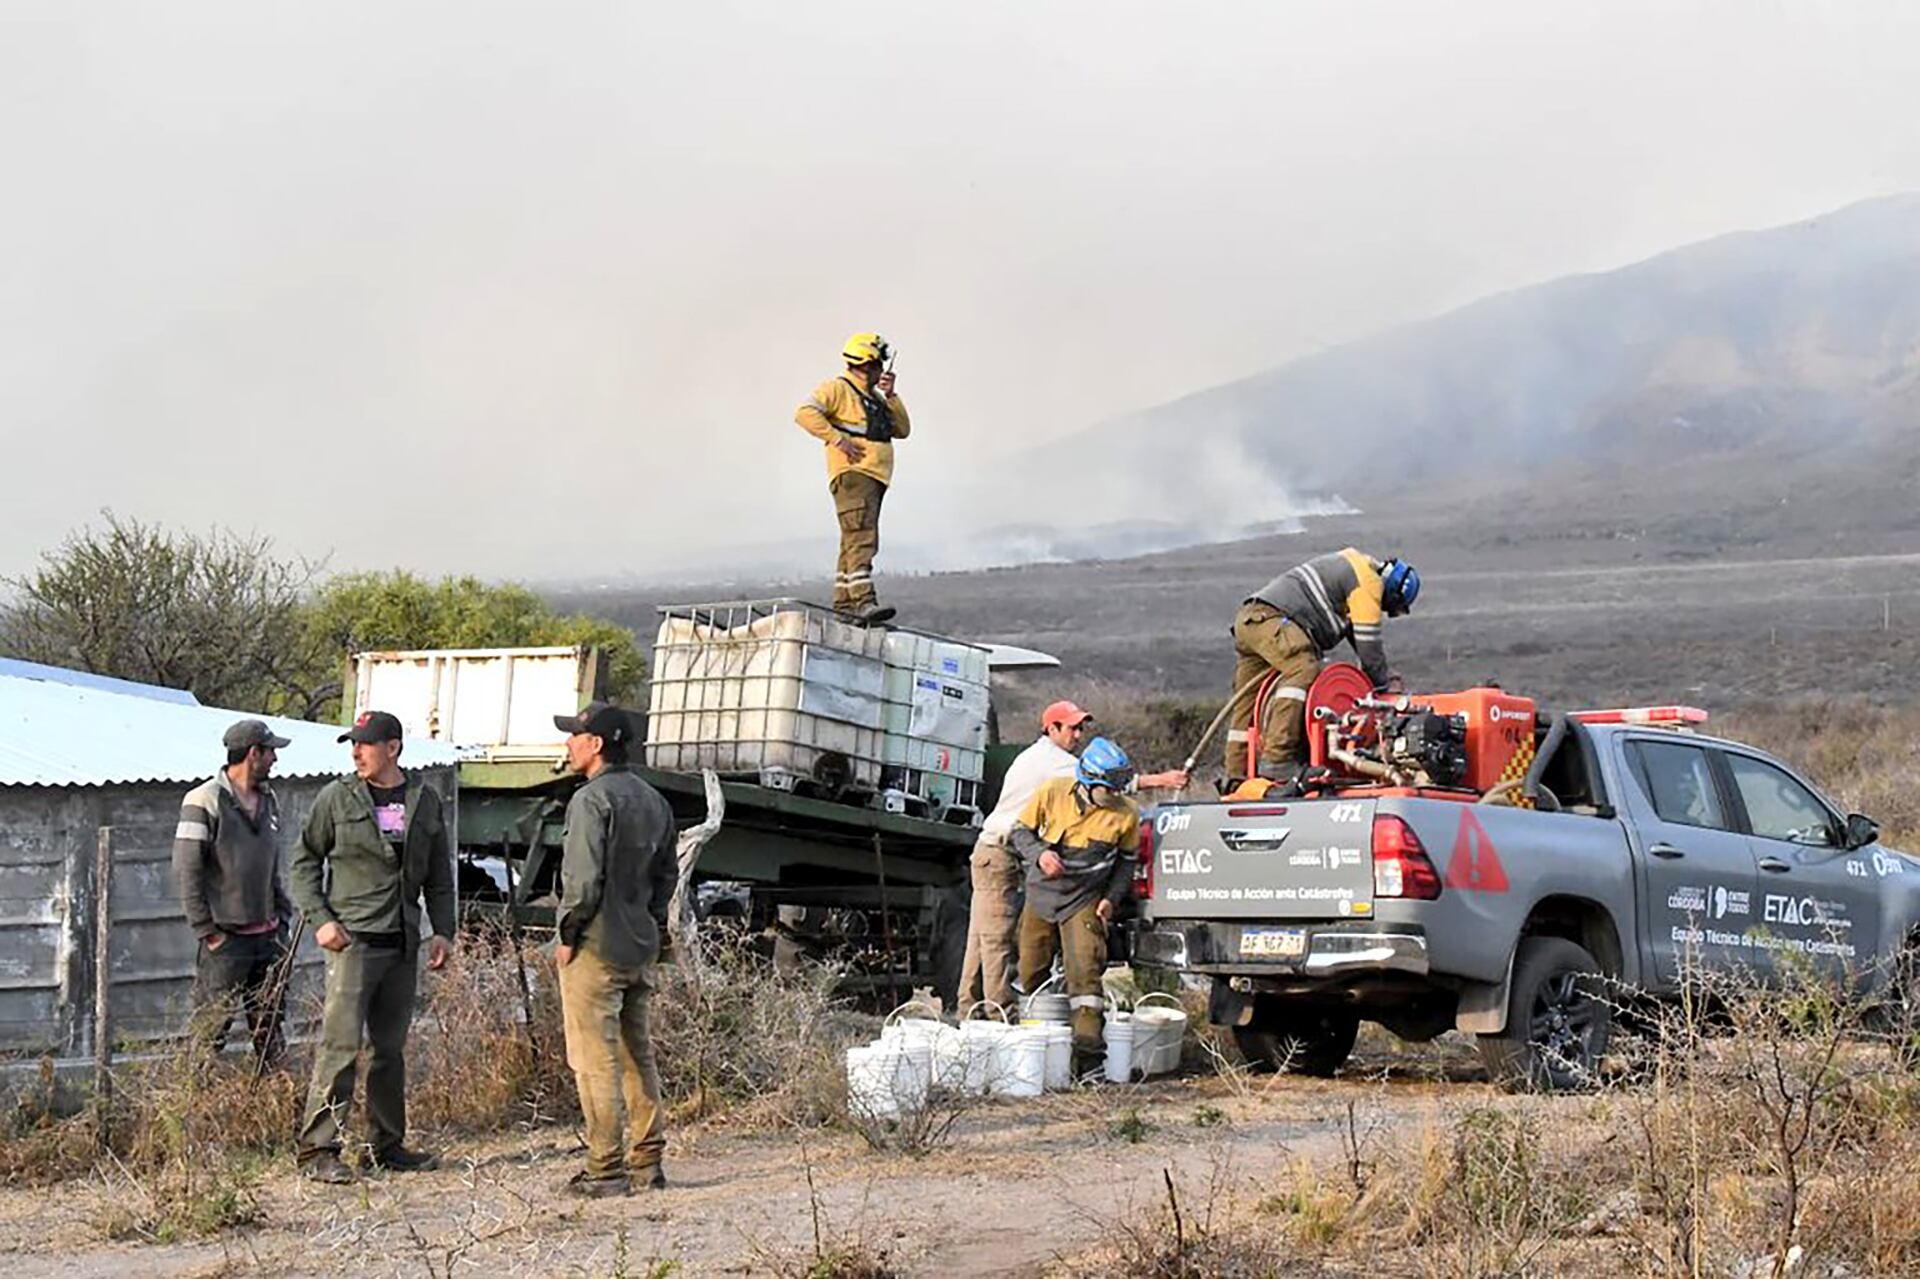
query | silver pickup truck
(1649,855)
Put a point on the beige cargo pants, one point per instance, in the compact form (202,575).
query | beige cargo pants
(610,1048)
(993,921)
(856,503)
(1265,641)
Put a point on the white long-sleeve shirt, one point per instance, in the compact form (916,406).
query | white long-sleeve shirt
(1030,768)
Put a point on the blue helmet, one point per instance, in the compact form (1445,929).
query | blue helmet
(1102,763)
(1402,581)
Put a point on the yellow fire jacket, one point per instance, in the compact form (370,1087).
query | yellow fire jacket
(835,413)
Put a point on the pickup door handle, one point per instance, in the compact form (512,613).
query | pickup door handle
(1257,839)
(1776,865)
(1667,851)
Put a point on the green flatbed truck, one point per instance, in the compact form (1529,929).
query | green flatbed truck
(883,892)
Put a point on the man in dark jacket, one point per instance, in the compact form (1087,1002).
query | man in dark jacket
(372,844)
(618,867)
(226,856)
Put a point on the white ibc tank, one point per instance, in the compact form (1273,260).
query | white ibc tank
(766,686)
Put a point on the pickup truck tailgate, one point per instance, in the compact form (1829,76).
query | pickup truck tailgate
(1304,860)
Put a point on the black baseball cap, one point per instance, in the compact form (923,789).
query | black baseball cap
(251,732)
(373,726)
(598,719)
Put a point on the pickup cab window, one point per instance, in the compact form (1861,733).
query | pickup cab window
(1779,806)
(1678,781)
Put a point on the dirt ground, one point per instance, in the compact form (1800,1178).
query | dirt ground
(1019,1188)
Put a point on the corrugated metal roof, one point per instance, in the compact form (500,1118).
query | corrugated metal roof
(54,734)
(87,679)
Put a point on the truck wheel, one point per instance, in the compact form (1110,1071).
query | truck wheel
(1558,1020)
(1299,1039)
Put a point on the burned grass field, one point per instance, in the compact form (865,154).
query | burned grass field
(1722,584)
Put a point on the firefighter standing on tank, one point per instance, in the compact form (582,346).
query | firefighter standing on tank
(1288,626)
(857,417)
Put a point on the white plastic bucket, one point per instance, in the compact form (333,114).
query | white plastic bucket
(871,1072)
(886,1079)
(941,1041)
(1157,1035)
(1021,1065)
(980,1056)
(1119,1036)
(1059,1057)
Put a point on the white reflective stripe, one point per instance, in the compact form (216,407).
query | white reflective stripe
(192,830)
(1291,693)
(1318,590)
(1236,734)
(1086,1001)
(1366,628)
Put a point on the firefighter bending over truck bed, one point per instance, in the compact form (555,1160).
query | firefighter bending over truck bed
(858,417)
(1288,626)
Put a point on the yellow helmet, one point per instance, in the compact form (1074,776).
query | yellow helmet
(862,347)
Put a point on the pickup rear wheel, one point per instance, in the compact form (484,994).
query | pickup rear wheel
(1558,1020)
(1299,1039)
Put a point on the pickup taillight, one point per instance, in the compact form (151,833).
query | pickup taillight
(1401,867)
(1143,869)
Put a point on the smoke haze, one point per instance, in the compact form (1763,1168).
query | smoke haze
(534,291)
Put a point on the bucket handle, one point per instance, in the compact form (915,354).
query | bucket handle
(911,1003)
(1041,989)
(1002,1008)
(1157,994)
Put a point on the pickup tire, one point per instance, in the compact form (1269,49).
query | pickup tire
(1301,1039)
(1558,1020)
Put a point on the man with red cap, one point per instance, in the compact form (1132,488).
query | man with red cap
(994,919)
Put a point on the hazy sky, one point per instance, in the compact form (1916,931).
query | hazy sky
(534,289)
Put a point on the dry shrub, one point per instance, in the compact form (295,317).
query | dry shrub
(481,1057)
(739,1036)
(733,1035)
(1156,730)
(1782,1123)
(1198,1230)
(1488,1196)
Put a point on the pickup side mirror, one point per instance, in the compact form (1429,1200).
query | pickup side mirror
(1861,830)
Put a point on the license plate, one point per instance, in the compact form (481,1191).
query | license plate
(1273,943)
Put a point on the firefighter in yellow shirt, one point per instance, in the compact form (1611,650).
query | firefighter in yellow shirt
(858,417)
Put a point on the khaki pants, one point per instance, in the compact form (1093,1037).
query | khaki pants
(856,502)
(368,987)
(1081,940)
(610,1048)
(1264,641)
(987,971)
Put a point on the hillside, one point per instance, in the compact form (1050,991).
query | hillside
(1760,339)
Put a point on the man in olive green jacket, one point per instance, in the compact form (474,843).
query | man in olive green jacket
(372,844)
(618,866)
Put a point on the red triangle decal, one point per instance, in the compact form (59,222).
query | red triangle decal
(1475,865)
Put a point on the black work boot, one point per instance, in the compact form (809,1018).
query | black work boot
(590,1187)
(873,612)
(326,1167)
(400,1159)
(654,1178)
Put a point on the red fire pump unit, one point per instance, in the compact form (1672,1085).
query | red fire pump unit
(1467,741)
